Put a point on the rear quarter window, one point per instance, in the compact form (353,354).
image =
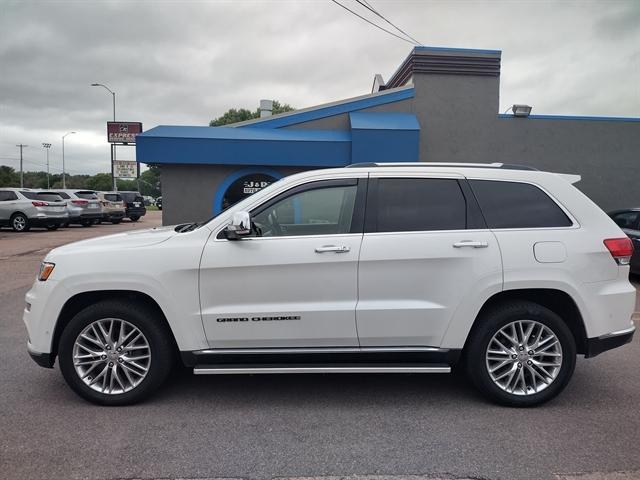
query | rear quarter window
(517,205)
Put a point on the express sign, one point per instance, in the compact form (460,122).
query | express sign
(123,132)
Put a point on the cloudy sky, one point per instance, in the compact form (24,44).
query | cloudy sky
(185,62)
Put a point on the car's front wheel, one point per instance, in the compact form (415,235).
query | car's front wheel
(134,218)
(115,352)
(521,354)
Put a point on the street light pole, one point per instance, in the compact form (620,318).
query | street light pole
(47,146)
(64,182)
(113,148)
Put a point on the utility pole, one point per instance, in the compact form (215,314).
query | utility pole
(47,146)
(64,182)
(21,146)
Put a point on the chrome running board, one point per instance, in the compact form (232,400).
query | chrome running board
(293,368)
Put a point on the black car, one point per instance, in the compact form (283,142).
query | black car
(159,203)
(629,221)
(134,205)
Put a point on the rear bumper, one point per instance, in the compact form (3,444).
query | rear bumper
(45,360)
(597,345)
(91,216)
(47,221)
(138,211)
(116,215)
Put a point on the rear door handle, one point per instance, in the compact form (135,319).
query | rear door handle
(333,248)
(470,243)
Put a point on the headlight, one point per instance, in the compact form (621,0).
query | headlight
(46,268)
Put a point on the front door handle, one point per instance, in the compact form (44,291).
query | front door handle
(333,248)
(470,243)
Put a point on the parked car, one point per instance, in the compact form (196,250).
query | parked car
(507,271)
(83,206)
(134,205)
(159,203)
(148,200)
(21,209)
(112,206)
(629,221)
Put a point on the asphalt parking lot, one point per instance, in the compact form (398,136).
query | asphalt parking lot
(365,427)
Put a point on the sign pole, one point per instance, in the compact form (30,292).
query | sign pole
(113,176)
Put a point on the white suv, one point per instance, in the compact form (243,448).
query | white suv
(506,271)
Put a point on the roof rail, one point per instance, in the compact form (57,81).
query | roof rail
(505,166)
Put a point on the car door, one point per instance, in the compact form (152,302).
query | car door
(7,205)
(293,283)
(425,252)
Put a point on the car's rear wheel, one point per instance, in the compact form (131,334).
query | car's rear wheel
(521,354)
(116,221)
(86,223)
(115,352)
(20,222)
(134,218)
(52,227)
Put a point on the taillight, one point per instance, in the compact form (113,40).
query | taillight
(621,249)
(79,202)
(40,204)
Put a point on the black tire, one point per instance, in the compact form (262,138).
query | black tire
(20,222)
(144,319)
(51,228)
(116,221)
(86,223)
(134,218)
(489,323)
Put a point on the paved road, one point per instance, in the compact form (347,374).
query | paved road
(364,427)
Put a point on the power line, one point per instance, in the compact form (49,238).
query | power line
(369,7)
(371,23)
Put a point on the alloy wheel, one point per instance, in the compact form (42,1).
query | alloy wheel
(524,357)
(111,356)
(19,223)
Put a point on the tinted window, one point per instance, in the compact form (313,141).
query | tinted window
(112,197)
(131,197)
(62,194)
(7,195)
(418,204)
(517,205)
(321,211)
(48,197)
(87,195)
(627,220)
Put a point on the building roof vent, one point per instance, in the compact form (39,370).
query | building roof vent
(266,108)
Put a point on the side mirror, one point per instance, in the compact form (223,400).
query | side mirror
(239,227)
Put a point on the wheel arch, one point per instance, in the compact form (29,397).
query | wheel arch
(558,301)
(82,300)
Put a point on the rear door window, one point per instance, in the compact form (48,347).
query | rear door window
(517,205)
(416,204)
(63,195)
(7,195)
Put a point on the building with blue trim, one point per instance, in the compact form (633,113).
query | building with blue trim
(441,105)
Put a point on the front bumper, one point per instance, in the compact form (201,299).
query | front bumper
(597,345)
(45,360)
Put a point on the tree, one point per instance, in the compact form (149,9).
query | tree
(234,116)
(9,177)
(100,181)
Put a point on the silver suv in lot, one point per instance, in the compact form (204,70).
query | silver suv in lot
(83,206)
(21,209)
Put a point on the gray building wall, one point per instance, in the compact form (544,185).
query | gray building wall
(188,191)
